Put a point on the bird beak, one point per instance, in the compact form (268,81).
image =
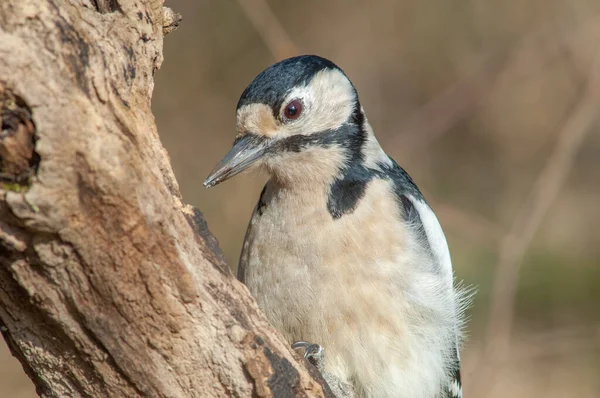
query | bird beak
(246,151)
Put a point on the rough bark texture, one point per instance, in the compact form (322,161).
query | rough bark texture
(110,286)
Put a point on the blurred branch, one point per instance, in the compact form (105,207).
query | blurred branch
(541,346)
(530,217)
(269,28)
(476,226)
(557,343)
(453,104)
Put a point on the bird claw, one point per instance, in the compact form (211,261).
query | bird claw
(314,353)
(310,350)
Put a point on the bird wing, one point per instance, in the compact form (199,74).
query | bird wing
(422,220)
(418,214)
(454,388)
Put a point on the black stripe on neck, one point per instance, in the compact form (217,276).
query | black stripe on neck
(350,185)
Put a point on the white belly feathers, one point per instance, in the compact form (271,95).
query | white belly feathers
(352,286)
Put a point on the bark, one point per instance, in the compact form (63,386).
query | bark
(110,286)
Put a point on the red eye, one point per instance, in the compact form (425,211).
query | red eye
(293,109)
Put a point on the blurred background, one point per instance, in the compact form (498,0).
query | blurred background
(493,107)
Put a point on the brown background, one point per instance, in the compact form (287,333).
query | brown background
(473,98)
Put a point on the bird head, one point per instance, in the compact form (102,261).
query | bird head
(299,119)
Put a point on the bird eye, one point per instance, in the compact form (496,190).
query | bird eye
(293,110)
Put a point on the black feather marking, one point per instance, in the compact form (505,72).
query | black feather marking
(402,181)
(454,377)
(243,261)
(349,187)
(347,191)
(457,375)
(347,137)
(405,186)
(358,117)
(351,184)
(456,368)
(410,214)
(412,217)
(261,205)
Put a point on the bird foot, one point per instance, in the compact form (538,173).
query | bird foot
(314,353)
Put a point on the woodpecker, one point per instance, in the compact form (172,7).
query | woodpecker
(342,249)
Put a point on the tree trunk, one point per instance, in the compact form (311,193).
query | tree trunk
(110,286)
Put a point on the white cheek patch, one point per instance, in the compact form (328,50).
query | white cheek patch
(328,101)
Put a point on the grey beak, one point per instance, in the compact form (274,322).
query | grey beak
(245,151)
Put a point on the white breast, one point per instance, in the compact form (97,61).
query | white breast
(354,286)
